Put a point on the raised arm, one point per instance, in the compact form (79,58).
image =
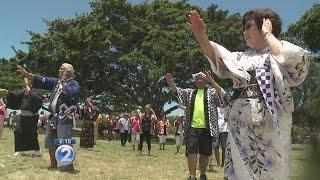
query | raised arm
(26,83)
(224,96)
(181,107)
(154,117)
(25,73)
(274,43)
(198,28)
(139,113)
(170,82)
(214,84)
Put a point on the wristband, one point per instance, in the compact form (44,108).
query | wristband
(266,35)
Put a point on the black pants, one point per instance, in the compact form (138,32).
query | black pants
(26,135)
(147,136)
(123,137)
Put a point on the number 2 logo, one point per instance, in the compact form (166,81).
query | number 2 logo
(65,155)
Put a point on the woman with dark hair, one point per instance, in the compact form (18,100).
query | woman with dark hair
(148,119)
(29,101)
(260,114)
(87,130)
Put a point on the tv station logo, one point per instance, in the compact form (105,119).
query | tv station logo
(65,154)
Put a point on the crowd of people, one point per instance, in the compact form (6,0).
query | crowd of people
(136,127)
(259,112)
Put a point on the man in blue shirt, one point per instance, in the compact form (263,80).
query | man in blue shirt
(65,93)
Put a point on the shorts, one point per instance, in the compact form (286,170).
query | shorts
(179,140)
(221,141)
(64,131)
(199,141)
(135,138)
(162,139)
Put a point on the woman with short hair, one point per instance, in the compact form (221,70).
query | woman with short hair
(260,114)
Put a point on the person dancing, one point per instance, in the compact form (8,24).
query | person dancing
(201,124)
(3,114)
(148,119)
(29,101)
(87,130)
(65,92)
(135,129)
(260,115)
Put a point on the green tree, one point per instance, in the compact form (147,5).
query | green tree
(307,29)
(307,100)
(121,51)
(9,78)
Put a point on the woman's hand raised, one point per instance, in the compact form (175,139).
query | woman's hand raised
(196,23)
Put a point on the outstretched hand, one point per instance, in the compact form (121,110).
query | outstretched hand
(22,71)
(196,23)
(25,73)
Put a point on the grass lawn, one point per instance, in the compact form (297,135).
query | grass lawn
(109,161)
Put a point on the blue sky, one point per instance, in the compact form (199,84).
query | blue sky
(18,16)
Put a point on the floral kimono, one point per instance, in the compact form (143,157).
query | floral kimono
(260,117)
(87,129)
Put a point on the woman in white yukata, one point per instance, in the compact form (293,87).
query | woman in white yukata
(260,114)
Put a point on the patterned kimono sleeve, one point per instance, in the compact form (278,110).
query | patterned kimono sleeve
(184,95)
(218,65)
(217,99)
(214,101)
(293,63)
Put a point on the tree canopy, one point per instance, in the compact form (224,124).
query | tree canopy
(307,28)
(305,32)
(121,51)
